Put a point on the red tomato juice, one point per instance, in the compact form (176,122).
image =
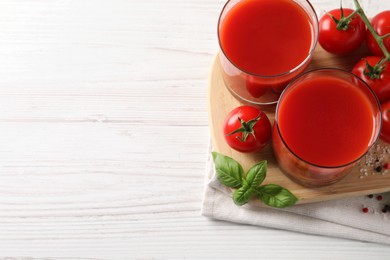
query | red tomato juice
(326,121)
(266,37)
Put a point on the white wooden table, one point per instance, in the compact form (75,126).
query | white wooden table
(104,133)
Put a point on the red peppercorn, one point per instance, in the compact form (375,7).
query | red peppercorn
(386,165)
(379,197)
(365,210)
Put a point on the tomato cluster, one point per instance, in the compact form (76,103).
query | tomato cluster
(343,31)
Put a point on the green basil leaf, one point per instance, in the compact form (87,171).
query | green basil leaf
(229,171)
(276,196)
(243,194)
(256,174)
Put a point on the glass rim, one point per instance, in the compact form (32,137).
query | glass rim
(376,104)
(308,57)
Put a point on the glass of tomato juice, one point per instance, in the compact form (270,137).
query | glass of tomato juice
(264,44)
(325,121)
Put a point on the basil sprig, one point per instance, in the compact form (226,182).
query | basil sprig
(231,174)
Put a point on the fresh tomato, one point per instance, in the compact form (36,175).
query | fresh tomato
(247,129)
(344,36)
(381,24)
(254,88)
(385,131)
(257,89)
(378,78)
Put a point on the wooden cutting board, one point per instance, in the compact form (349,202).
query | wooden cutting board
(221,102)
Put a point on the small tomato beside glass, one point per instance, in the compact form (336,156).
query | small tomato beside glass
(378,78)
(344,36)
(247,129)
(385,131)
(381,24)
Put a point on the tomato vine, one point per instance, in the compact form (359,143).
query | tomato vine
(378,38)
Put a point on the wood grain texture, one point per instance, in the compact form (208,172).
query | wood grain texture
(104,133)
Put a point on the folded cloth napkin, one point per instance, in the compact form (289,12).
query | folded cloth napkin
(337,218)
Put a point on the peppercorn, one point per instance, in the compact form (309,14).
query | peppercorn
(370,196)
(378,168)
(365,210)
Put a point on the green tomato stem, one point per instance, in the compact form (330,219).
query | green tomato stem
(246,129)
(377,37)
(352,14)
(385,36)
(342,24)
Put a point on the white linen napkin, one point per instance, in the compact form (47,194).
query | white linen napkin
(337,218)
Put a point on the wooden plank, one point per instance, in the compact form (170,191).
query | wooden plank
(103,136)
(221,102)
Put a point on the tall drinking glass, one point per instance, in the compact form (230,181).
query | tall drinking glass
(263,45)
(325,121)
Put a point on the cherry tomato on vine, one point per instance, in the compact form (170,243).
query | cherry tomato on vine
(385,131)
(339,34)
(377,77)
(381,24)
(247,129)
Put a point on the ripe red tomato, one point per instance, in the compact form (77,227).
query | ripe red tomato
(381,84)
(339,41)
(381,24)
(247,129)
(254,88)
(385,131)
